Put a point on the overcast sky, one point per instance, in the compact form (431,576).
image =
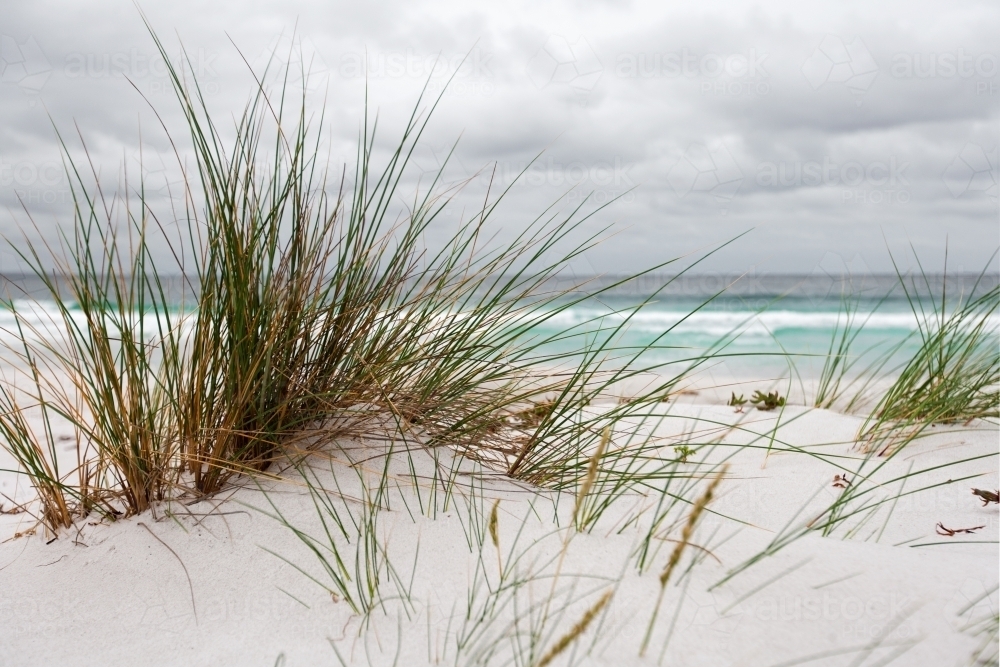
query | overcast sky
(826,129)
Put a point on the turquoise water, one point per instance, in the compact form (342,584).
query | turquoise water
(744,340)
(752,332)
(748,337)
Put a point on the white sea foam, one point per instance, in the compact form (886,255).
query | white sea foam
(42,319)
(747,323)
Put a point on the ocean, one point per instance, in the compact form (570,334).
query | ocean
(761,326)
(754,326)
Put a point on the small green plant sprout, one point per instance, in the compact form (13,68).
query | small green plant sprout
(683,452)
(768,401)
(987,496)
(737,401)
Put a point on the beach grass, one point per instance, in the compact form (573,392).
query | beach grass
(848,375)
(955,374)
(111,375)
(317,307)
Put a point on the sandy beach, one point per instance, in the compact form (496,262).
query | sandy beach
(216,581)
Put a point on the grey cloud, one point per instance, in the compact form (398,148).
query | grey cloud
(723,118)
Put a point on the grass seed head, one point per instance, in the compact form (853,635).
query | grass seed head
(689,526)
(576,630)
(494,524)
(595,459)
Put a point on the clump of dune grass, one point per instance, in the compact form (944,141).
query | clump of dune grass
(36,454)
(317,307)
(954,375)
(110,372)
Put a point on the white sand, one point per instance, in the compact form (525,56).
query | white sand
(890,592)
